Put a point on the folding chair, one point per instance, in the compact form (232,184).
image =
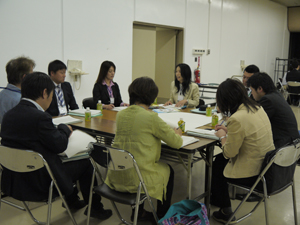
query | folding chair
(277,174)
(293,89)
(89,102)
(281,88)
(118,160)
(26,161)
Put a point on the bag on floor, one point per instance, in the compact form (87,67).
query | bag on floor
(186,212)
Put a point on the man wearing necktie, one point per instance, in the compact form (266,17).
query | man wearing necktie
(248,72)
(63,99)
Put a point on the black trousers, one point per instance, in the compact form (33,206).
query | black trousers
(82,171)
(163,207)
(219,187)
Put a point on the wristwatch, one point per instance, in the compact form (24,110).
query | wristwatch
(222,137)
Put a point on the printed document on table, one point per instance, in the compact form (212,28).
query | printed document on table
(65,120)
(186,141)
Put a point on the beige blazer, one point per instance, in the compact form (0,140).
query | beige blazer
(192,95)
(249,138)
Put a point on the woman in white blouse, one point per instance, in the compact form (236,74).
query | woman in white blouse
(183,90)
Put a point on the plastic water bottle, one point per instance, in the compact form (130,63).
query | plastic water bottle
(99,106)
(87,114)
(181,125)
(208,110)
(214,120)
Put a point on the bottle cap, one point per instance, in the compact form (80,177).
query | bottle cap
(181,118)
(208,106)
(87,108)
(215,113)
(99,101)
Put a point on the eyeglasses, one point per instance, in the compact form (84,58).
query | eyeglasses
(246,78)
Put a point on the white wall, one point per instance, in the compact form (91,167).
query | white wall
(94,31)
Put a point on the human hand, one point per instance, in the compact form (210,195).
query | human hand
(221,127)
(181,103)
(71,129)
(178,131)
(168,103)
(220,133)
(110,106)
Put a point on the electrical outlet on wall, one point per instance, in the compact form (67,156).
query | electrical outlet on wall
(197,51)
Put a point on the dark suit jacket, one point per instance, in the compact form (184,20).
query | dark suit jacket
(100,93)
(26,127)
(293,75)
(283,121)
(69,100)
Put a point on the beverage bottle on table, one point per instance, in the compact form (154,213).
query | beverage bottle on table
(208,110)
(87,114)
(181,125)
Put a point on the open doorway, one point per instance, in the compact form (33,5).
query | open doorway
(156,51)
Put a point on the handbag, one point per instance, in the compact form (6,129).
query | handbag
(186,212)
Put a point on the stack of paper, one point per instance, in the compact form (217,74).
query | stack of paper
(203,133)
(81,112)
(65,120)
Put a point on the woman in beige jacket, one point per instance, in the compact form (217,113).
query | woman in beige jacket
(245,142)
(183,90)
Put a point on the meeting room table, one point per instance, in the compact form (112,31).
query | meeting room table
(105,127)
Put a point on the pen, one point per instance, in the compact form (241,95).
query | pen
(180,125)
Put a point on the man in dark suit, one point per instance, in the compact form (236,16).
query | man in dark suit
(248,72)
(283,121)
(293,75)
(27,126)
(63,97)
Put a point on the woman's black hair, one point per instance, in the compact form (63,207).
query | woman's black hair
(186,74)
(231,94)
(142,90)
(104,68)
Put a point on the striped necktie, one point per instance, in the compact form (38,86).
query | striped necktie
(60,96)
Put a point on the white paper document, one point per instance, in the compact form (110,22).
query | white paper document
(119,108)
(78,142)
(186,140)
(65,120)
(191,120)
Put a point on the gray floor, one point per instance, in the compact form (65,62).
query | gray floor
(281,211)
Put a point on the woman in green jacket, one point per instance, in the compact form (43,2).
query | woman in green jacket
(140,132)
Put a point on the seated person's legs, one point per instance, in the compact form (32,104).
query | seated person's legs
(82,171)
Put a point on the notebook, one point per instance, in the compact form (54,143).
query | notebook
(203,133)
(186,141)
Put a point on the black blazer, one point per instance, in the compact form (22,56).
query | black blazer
(69,100)
(26,127)
(100,93)
(282,119)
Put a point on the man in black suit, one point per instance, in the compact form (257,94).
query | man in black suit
(63,97)
(248,72)
(27,126)
(283,121)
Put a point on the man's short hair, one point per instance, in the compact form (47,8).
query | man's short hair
(142,90)
(34,84)
(252,69)
(261,80)
(16,68)
(56,65)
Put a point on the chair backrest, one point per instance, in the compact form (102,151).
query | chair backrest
(279,167)
(293,83)
(20,160)
(89,102)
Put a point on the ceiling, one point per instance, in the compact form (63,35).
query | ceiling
(288,3)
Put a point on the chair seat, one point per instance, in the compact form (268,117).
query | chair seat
(116,196)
